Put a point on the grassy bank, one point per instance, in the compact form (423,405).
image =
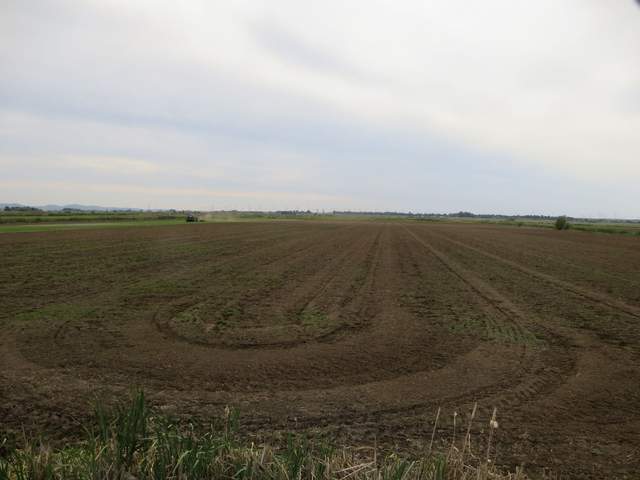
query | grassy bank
(612,228)
(131,441)
(77,217)
(50,227)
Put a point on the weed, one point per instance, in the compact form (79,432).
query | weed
(313,317)
(131,442)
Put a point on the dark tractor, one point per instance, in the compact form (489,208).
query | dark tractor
(191,218)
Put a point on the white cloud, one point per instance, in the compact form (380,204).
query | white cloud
(110,164)
(172,197)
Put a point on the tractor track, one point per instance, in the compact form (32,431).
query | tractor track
(542,368)
(561,284)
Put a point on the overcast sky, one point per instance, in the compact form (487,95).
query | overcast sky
(506,106)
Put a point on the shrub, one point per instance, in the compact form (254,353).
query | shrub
(562,223)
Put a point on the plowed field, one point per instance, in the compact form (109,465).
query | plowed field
(356,330)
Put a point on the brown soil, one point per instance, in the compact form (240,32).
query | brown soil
(354,330)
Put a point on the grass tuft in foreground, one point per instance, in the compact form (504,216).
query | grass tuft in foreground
(131,442)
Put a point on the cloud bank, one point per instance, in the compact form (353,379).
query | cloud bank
(497,106)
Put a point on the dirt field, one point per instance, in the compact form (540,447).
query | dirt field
(355,330)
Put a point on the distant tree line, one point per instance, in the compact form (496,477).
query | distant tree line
(292,212)
(21,208)
(489,216)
